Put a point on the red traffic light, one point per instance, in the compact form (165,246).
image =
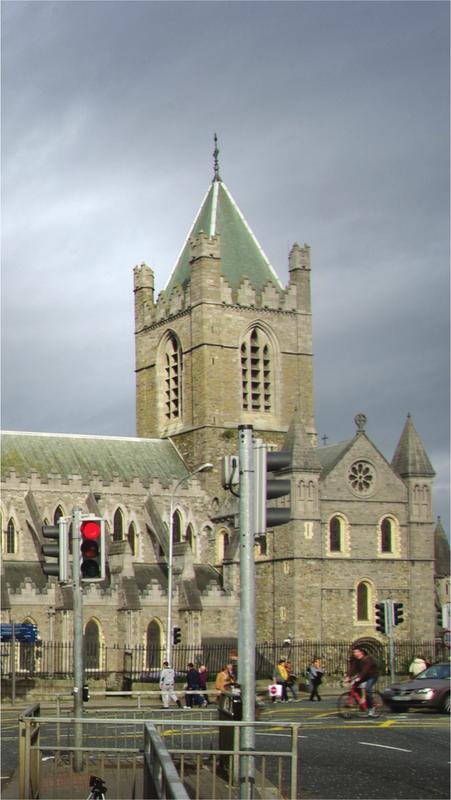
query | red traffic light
(92,549)
(90,529)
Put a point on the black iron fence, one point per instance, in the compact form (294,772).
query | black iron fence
(138,663)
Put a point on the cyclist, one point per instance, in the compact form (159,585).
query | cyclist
(366,672)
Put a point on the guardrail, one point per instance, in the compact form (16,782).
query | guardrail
(166,753)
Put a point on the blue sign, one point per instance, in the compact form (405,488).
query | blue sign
(23,632)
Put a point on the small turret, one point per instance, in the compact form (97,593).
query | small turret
(412,464)
(299,269)
(144,287)
(410,459)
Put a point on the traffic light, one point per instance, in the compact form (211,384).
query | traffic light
(59,533)
(92,549)
(381,622)
(398,613)
(85,693)
(176,635)
(269,488)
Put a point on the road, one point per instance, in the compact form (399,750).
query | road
(396,756)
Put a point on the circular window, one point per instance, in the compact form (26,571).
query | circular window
(361,477)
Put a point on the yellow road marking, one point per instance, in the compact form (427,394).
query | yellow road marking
(388,723)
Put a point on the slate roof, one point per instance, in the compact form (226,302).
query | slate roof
(17,572)
(145,574)
(241,254)
(410,458)
(331,455)
(206,575)
(109,456)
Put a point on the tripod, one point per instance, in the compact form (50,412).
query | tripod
(97,787)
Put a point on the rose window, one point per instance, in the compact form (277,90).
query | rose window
(361,477)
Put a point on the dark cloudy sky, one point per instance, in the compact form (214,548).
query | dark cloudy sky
(333,125)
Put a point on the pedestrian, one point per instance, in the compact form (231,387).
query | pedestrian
(316,673)
(203,684)
(418,665)
(167,680)
(291,680)
(281,679)
(224,680)
(366,673)
(192,683)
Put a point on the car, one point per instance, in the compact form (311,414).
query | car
(429,689)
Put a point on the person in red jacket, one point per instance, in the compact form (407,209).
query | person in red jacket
(365,668)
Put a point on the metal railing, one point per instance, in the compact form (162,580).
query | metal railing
(139,664)
(140,748)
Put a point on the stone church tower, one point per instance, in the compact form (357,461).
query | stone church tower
(225,343)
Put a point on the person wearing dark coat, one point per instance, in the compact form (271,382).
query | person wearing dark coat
(192,683)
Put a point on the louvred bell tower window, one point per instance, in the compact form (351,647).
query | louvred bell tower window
(257,372)
(173,378)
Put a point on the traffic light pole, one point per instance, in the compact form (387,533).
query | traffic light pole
(246,642)
(78,640)
(389,621)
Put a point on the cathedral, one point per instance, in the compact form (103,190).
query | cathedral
(224,344)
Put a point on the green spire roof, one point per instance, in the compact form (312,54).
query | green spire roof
(241,255)
(410,458)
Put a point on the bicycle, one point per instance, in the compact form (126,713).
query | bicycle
(97,787)
(353,703)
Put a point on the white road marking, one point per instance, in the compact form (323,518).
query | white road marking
(283,735)
(386,747)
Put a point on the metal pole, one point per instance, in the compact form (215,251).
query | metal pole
(389,624)
(246,647)
(170,559)
(78,640)
(13,664)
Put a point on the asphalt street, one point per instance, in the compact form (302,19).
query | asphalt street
(396,756)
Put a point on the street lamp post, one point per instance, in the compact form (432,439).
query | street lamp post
(203,468)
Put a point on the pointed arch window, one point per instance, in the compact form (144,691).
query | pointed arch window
(11,538)
(92,645)
(153,644)
(131,536)
(58,513)
(176,528)
(118,525)
(190,537)
(222,543)
(257,372)
(363,602)
(173,378)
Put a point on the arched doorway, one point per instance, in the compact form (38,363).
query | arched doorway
(92,645)
(374,648)
(153,645)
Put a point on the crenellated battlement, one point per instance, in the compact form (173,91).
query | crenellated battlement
(205,255)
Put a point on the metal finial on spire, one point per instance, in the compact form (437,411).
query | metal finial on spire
(217,176)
